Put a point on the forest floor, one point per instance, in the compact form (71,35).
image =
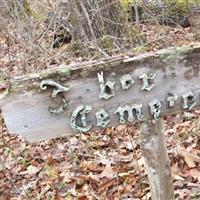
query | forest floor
(98,165)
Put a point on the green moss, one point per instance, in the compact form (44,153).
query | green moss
(113,64)
(33,85)
(106,42)
(184,4)
(38,16)
(30,12)
(180,7)
(27,7)
(140,49)
(126,4)
(179,52)
(45,75)
(183,51)
(135,35)
(64,72)
(60,73)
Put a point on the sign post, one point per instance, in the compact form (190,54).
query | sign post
(156,160)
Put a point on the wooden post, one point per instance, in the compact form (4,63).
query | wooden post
(156,160)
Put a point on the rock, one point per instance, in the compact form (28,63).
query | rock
(61,28)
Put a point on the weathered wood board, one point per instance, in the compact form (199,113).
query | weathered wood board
(103,93)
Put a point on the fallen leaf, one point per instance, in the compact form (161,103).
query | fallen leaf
(107,172)
(52,172)
(189,158)
(58,196)
(130,145)
(183,124)
(104,186)
(195,173)
(90,166)
(83,197)
(67,176)
(177,177)
(94,177)
(2,40)
(31,170)
(50,160)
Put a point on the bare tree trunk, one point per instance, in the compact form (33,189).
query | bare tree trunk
(156,160)
(92,20)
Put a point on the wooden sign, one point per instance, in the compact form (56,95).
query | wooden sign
(93,95)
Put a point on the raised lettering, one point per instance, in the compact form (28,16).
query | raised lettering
(171,99)
(188,100)
(145,78)
(102,118)
(129,110)
(57,90)
(154,107)
(79,114)
(126,81)
(106,89)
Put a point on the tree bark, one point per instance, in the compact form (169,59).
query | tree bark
(157,165)
(92,20)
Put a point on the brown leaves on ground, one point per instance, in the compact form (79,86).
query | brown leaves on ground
(79,167)
(183,140)
(99,165)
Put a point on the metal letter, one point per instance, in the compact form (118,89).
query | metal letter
(102,118)
(129,110)
(145,78)
(106,89)
(155,106)
(138,110)
(57,89)
(80,114)
(126,81)
(188,100)
(171,98)
(121,111)
(60,109)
